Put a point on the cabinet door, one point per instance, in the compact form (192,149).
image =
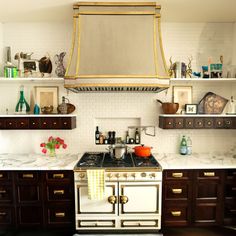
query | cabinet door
(86,206)
(139,197)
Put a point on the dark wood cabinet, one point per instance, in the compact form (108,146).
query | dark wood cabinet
(230,197)
(41,122)
(197,122)
(192,197)
(36,199)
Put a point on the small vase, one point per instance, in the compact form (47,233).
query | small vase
(52,152)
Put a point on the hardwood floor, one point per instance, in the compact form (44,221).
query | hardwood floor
(181,231)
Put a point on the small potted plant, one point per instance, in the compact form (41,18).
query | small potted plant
(52,144)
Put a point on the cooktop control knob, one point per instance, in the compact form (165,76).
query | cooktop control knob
(126,175)
(118,175)
(81,175)
(143,175)
(152,175)
(133,175)
(109,175)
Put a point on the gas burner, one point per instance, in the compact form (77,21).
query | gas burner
(88,163)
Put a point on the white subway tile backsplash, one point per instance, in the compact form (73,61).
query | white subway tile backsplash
(181,40)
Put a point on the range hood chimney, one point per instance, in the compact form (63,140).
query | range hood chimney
(116,46)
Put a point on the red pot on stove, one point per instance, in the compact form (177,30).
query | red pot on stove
(142,151)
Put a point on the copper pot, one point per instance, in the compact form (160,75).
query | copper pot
(169,107)
(142,151)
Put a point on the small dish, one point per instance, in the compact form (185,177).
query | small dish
(47,109)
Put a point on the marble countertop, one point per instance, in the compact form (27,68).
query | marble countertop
(167,161)
(38,162)
(197,161)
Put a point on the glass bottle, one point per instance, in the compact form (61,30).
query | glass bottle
(127,137)
(97,133)
(10,71)
(22,106)
(62,108)
(137,136)
(189,146)
(183,146)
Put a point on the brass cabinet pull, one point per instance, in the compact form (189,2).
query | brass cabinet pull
(60,214)
(58,176)
(29,176)
(54,123)
(33,123)
(65,123)
(177,190)
(1,175)
(3,191)
(3,213)
(58,192)
(44,123)
(176,213)
(177,174)
(112,199)
(22,123)
(10,123)
(124,199)
(209,174)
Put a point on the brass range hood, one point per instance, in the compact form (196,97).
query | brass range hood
(116,47)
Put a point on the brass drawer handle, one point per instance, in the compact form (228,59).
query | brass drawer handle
(44,123)
(65,123)
(54,123)
(22,123)
(177,190)
(60,214)
(3,213)
(177,174)
(28,176)
(176,213)
(58,192)
(169,123)
(209,174)
(58,176)
(10,123)
(33,123)
(3,191)
(1,175)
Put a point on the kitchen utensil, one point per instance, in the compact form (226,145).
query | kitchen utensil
(117,151)
(142,151)
(169,107)
(212,103)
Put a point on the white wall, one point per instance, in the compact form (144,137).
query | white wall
(180,40)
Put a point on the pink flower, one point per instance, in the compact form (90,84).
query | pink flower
(64,146)
(42,144)
(44,150)
(57,146)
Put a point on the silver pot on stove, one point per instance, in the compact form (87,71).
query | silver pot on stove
(117,151)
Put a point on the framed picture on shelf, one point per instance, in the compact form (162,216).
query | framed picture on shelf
(183,96)
(191,108)
(46,96)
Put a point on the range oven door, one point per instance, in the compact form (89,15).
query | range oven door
(85,206)
(140,198)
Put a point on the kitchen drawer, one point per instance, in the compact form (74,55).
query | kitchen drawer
(2,123)
(96,223)
(58,176)
(209,174)
(61,215)
(139,223)
(176,215)
(208,123)
(68,123)
(177,191)
(6,195)
(59,193)
(179,123)
(35,123)
(5,176)
(189,123)
(27,176)
(177,174)
(10,123)
(199,123)
(17,123)
(28,194)
(6,216)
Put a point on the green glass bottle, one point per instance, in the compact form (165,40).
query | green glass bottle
(183,146)
(22,106)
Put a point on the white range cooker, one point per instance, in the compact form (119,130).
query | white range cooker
(132,198)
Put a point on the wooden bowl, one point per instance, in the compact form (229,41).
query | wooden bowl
(170,107)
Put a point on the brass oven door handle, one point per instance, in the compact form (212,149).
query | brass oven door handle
(124,199)
(112,199)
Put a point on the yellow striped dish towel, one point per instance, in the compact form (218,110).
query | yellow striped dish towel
(96,184)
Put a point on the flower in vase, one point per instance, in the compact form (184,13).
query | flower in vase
(52,144)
